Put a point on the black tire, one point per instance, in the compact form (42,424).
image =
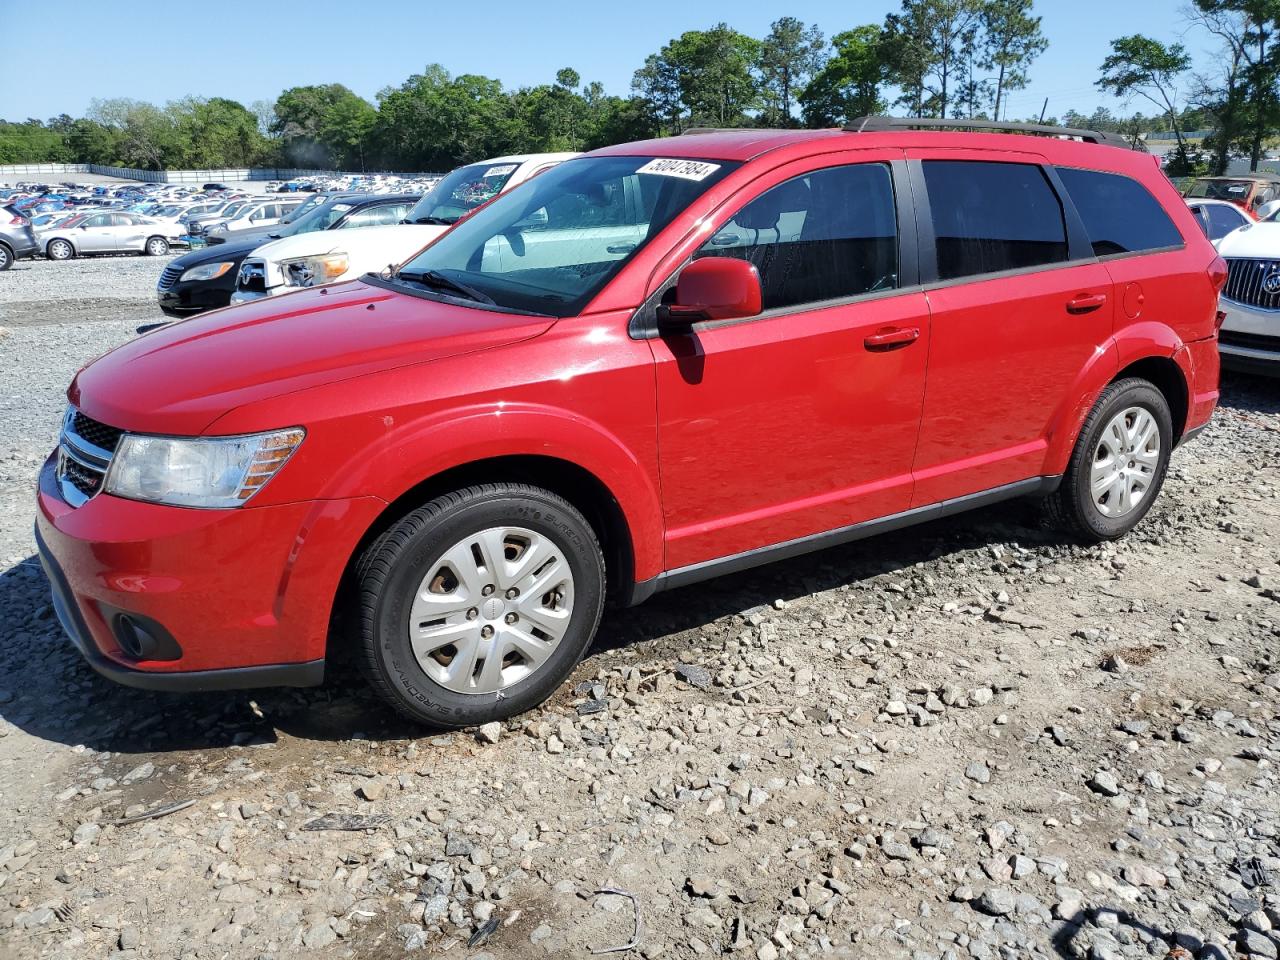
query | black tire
(1072,507)
(65,251)
(155,247)
(6,257)
(390,570)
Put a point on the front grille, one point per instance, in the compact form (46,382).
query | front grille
(253,276)
(1254,283)
(85,449)
(98,434)
(169,277)
(1255,341)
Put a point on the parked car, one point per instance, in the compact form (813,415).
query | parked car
(109,232)
(1217,218)
(460,461)
(1248,191)
(17,238)
(257,213)
(1249,340)
(314,259)
(264,232)
(205,279)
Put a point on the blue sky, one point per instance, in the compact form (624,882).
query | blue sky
(67,52)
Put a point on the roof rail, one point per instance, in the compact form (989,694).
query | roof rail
(870,124)
(694,131)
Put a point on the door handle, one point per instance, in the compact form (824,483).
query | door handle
(1086,302)
(620,247)
(894,337)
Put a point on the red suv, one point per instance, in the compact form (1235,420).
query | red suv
(654,364)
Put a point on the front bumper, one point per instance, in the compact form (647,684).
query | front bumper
(248,296)
(244,595)
(1250,338)
(184,299)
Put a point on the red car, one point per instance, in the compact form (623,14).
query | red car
(654,364)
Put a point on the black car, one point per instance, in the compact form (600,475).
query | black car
(17,237)
(205,279)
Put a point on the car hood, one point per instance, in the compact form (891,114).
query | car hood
(1253,240)
(178,379)
(403,240)
(235,250)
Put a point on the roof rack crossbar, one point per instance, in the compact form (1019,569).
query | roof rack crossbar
(870,124)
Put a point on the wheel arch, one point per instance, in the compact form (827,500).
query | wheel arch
(67,240)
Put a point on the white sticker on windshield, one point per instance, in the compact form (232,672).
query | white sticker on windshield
(501,170)
(684,169)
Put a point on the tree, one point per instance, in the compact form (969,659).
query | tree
(789,57)
(320,125)
(703,77)
(1011,41)
(345,128)
(1141,66)
(925,46)
(1243,99)
(848,86)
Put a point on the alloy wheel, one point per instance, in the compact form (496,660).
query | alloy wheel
(1125,462)
(491,610)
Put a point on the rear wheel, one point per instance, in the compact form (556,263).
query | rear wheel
(1119,463)
(6,257)
(476,606)
(157,247)
(60,250)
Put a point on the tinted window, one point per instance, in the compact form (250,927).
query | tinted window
(1222,220)
(828,234)
(989,217)
(1119,214)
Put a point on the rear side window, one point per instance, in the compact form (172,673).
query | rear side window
(1119,214)
(990,217)
(823,236)
(1222,220)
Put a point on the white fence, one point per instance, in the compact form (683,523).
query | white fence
(37,171)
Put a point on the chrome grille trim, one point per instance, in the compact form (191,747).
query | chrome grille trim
(82,465)
(168,277)
(1248,280)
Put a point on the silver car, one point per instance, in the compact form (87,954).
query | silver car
(109,231)
(258,213)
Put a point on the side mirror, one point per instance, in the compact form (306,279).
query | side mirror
(713,288)
(1268,208)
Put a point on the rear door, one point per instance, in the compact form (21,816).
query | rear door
(130,231)
(1019,310)
(802,419)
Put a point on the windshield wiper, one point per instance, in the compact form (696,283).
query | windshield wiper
(434,278)
(434,221)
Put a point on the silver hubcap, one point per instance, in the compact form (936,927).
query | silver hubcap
(491,610)
(157,247)
(61,250)
(1125,462)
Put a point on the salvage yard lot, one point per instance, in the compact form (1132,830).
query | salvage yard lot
(973,738)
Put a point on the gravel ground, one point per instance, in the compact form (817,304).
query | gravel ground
(971,739)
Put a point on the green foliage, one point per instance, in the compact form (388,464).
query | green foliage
(848,86)
(789,56)
(703,78)
(1145,67)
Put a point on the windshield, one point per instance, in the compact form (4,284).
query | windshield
(1236,190)
(461,192)
(550,245)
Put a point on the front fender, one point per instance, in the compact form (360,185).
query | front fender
(406,454)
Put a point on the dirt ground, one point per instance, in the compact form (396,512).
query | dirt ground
(974,738)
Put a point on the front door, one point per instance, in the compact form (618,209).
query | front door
(802,419)
(95,235)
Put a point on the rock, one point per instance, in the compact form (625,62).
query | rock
(1256,944)
(86,833)
(1140,875)
(129,938)
(1105,783)
(141,772)
(372,790)
(978,773)
(997,901)
(489,732)
(435,909)
(694,675)
(540,933)
(318,935)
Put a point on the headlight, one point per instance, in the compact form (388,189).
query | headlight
(206,271)
(199,472)
(310,271)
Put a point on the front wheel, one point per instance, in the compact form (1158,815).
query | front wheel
(478,605)
(1119,463)
(6,257)
(157,247)
(60,250)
